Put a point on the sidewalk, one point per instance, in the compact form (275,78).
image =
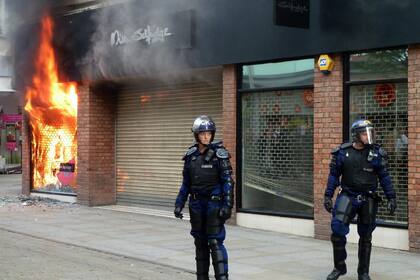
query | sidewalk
(254,254)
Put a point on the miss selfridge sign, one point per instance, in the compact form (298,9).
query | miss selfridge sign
(292,13)
(171,30)
(148,34)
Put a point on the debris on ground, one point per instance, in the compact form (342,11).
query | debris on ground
(33,201)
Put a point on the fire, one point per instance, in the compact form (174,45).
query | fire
(52,108)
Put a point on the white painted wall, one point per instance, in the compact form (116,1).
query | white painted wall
(382,237)
(300,227)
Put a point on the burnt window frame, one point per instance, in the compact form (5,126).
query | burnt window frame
(239,171)
(347,84)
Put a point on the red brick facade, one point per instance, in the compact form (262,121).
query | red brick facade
(26,156)
(414,147)
(96,145)
(328,122)
(229,115)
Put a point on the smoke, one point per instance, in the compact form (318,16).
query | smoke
(144,38)
(108,39)
(21,19)
(18,12)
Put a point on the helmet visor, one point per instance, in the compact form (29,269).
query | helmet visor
(369,131)
(366,136)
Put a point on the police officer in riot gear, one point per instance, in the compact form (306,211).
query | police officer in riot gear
(207,180)
(360,165)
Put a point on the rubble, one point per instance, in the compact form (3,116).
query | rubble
(33,201)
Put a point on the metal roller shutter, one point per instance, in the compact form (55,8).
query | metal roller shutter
(153,131)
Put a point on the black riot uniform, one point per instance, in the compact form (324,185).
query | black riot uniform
(207,181)
(357,171)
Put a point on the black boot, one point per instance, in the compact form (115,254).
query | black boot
(334,274)
(364,276)
(365,248)
(202,258)
(219,261)
(340,255)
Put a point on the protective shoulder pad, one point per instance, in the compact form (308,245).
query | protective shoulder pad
(346,145)
(382,152)
(222,153)
(376,146)
(218,143)
(189,152)
(335,150)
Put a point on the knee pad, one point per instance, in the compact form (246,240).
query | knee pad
(339,228)
(217,253)
(213,244)
(365,239)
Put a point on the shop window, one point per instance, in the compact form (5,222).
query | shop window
(277,148)
(384,102)
(280,74)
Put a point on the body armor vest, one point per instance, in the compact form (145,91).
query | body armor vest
(204,174)
(358,173)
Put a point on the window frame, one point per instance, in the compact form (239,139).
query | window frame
(239,170)
(347,84)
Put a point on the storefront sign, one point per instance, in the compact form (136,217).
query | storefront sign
(175,30)
(293,13)
(12,118)
(150,35)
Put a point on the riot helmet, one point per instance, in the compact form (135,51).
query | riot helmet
(360,126)
(201,124)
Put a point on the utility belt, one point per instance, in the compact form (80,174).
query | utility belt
(199,196)
(361,197)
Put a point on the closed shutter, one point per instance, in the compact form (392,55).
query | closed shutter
(153,131)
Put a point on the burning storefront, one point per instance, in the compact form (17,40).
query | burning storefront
(52,114)
(135,98)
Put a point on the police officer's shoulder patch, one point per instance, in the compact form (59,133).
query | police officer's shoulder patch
(222,153)
(346,145)
(190,151)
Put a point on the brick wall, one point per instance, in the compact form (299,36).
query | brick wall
(328,119)
(96,145)
(26,157)
(414,147)
(229,118)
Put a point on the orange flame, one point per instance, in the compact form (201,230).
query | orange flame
(52,108)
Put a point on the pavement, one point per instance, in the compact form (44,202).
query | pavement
(165,242)
(25,257)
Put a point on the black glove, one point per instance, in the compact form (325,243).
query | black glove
(178,212)
(328,204)
(225,212)
(391,205)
